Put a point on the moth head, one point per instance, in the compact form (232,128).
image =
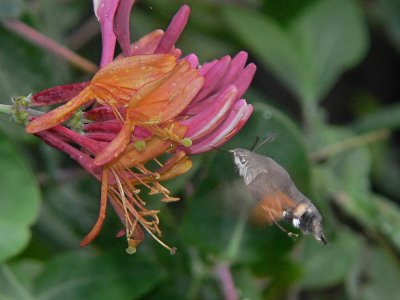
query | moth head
(242,159)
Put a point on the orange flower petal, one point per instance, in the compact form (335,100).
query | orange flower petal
(60,114)
(117,145)
(172,96)
(181,167)
(120,79)
(154,148)
(94,232)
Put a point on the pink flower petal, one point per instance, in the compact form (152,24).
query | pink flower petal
(58,94)
(105,11)
(148,43)
(235,67)
(83,159)
(121,25)
(244,79)
(212,77)
(174,30)
(90,145)
(207,66)
(112,126)
(210,117)
(101,113)
(193,60)
(231,125)
(100,136)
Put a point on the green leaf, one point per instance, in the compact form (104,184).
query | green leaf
(309,55)
(382,274)
(17,279)
(387,13)
(20,200)
(328,266)
(11,8)
(84,275)
(246,286)
(387,117)
(351,189)
(388,218)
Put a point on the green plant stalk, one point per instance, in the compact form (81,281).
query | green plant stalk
(6,109)
(18,289)
(49,45)
(236,239)
(350,143)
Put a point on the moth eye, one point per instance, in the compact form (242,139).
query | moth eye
(243,160)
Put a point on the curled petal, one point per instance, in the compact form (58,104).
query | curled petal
(178,168)
(118,81)
(94,232)
(207,66)
(164,99)
(236,119)
(235,67)
(121,25)
(154,147)
(213,76)
(105,11)
(60,114)
(243,81)
(174,30)
(211,116)
(193,60)
(148,43)
(116,146)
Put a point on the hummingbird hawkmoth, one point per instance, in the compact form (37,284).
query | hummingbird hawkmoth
(275,193)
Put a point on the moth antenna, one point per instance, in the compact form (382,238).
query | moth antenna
(255,143)
(269,138)
(290,234)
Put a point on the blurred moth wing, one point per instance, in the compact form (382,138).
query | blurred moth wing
(276,195)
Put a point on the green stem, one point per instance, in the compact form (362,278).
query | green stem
(6,109)
(236,239)
(198,271)
(350,143)
(14,286)
(48,44)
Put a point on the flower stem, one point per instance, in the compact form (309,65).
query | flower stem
(48,44)
(9,109)
(224,274)
(234,244)
(6,109)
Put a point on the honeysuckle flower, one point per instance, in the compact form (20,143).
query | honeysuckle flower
(119,179)
(149,101)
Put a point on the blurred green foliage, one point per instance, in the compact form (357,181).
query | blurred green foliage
(350,169)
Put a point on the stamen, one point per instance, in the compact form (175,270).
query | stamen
(172,250)
(123,199)
(186,142)
(158,162)
(140,145)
